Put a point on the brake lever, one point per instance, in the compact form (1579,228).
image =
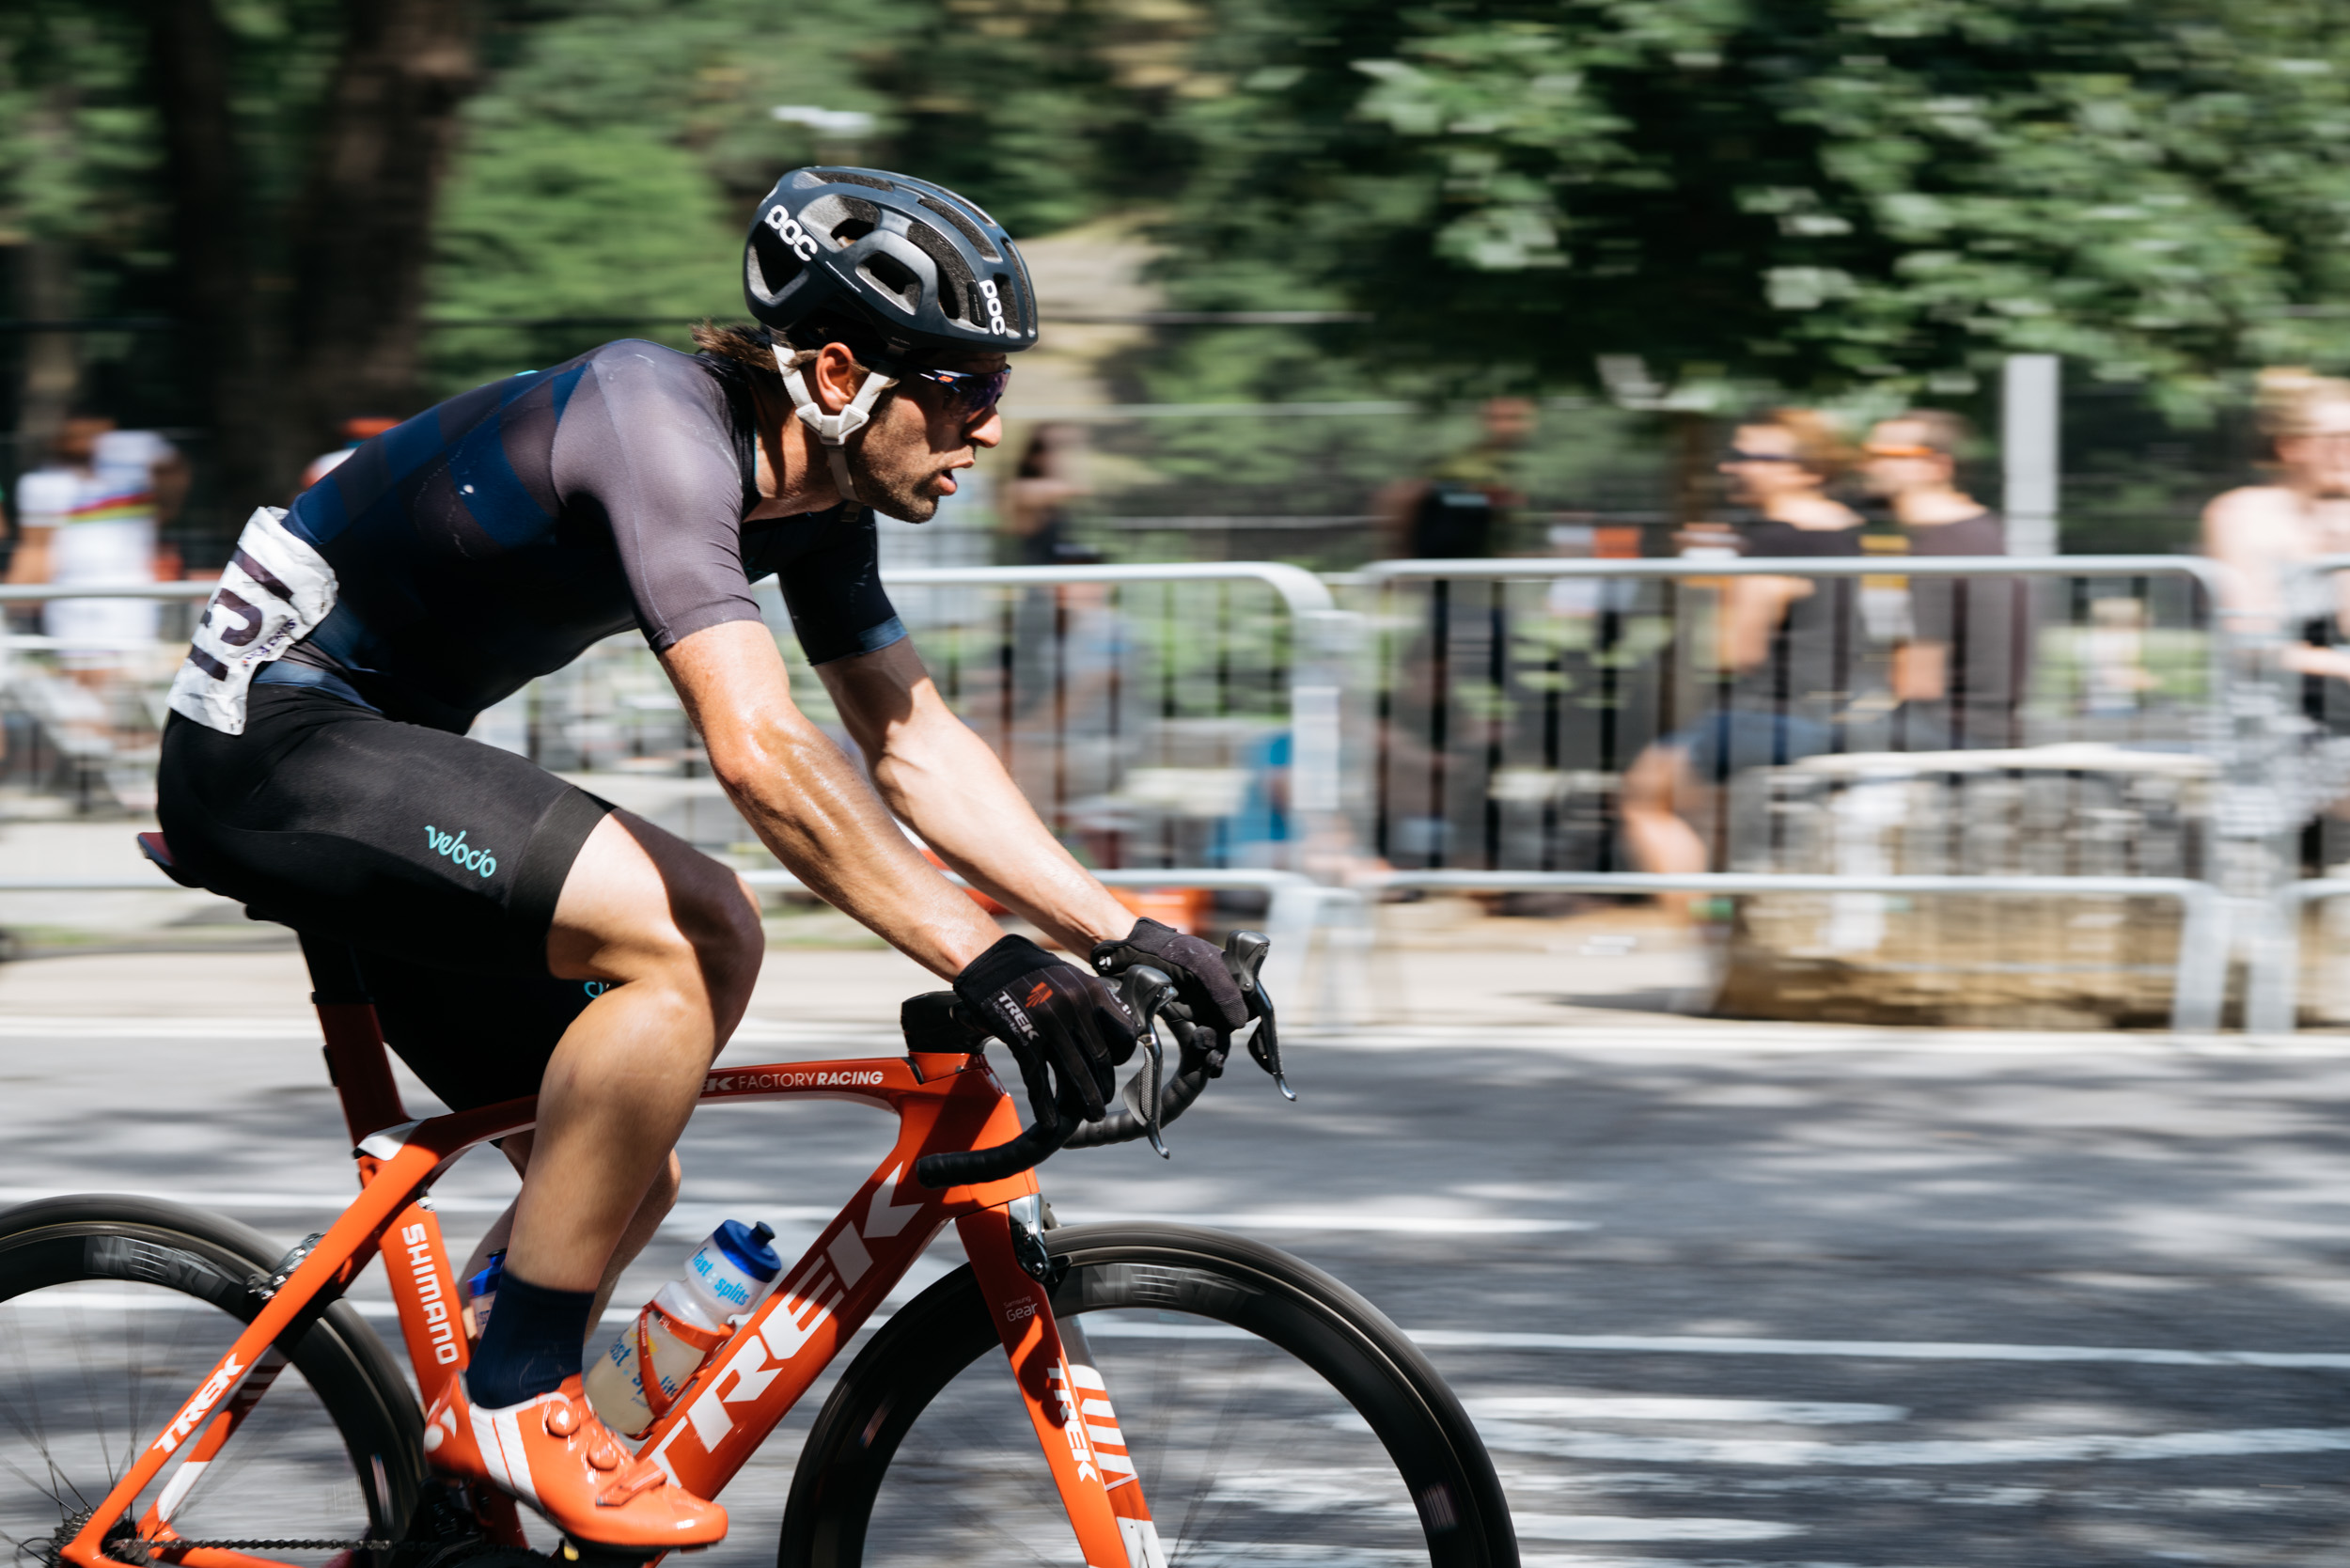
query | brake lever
(1243,956)
(1148,991)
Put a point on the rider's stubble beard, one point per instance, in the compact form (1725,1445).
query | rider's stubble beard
(901,484)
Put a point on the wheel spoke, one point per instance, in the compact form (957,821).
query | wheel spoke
(89,1365)
(1251,1453)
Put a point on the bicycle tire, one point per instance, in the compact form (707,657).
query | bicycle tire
(1232,1293)
(80,1399)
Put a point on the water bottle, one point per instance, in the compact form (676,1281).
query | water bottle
(481,1292)
(686,1320)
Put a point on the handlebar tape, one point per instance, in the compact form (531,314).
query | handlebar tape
(970,1166)
(1125,1126)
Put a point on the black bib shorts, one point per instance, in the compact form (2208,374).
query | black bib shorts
(437,859)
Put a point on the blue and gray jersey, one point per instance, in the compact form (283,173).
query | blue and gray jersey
(491,538)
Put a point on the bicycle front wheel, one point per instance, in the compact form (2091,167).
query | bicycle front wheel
(1273,1416)
(112,1312)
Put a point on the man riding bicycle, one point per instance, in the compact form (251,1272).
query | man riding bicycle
(521,935)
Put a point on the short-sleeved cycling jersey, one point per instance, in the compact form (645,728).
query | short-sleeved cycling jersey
(491,538)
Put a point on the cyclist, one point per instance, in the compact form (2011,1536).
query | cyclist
(521,935)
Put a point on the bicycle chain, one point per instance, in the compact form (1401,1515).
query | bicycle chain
(147,1552)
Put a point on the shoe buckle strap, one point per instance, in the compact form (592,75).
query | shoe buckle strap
(641,1476)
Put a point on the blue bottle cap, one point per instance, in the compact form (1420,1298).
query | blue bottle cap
(746,1245)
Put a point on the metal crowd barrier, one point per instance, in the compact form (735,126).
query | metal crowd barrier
(1241,677)
(2309,751)
(1511,695)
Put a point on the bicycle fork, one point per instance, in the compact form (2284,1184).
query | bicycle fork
(1068,1400)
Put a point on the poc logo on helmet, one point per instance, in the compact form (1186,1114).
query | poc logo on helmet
(803,243)
(995,308)
(473,859)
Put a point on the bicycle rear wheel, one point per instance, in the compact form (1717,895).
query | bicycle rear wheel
(1273,1416)
(112,1310)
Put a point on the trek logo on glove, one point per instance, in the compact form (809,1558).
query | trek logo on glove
(1017,1016)
(1043,994)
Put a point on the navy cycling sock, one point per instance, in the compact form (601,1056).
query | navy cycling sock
(532,1344)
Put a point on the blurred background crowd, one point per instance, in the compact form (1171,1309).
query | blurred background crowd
(1328,283)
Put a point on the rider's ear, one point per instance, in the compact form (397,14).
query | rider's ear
(838,376)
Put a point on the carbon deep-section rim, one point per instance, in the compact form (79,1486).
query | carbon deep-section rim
(1273,1416)
(112,1310)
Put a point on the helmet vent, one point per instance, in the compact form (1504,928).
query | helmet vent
(842,219)
(894,278)
(955,284)
(971,231)
(1027,310)
(772,266)
(850,177)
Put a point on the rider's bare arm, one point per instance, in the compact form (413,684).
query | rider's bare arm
(950,788)
(809,804)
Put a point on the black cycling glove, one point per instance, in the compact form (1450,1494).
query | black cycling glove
(1056,1017)
(1206,991)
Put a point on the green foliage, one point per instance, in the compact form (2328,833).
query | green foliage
(1888,191)
(613,157)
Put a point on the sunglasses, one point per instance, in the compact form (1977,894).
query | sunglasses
(970,394)
(1734,455)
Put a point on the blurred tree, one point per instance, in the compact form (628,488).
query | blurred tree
(264,172)
(1886,190)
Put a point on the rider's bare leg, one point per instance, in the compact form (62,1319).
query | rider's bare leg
(642,1226)
(677,937)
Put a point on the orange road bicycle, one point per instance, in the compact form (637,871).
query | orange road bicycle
(175,1390)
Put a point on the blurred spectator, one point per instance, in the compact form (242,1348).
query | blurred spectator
(2261,533)
(1035,503)
(1462,510)
(355,432)
(1959,671)
(1783,640)
(90,518)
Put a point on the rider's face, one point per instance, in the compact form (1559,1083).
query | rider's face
(919,438)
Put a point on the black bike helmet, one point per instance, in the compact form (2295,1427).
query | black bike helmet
(916,267)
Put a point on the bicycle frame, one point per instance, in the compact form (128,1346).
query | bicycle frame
(942,1100)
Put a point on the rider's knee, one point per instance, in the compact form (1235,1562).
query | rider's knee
(721,924)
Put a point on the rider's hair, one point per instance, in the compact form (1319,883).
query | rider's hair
(750,351)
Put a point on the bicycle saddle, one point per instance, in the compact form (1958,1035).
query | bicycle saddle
(152,846)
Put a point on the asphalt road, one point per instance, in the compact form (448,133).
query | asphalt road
(1718,1294)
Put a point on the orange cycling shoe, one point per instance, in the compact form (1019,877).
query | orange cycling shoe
(553,1453)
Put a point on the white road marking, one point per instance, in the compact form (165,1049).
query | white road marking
(333,1203)
(289,1026)
(1882,1349)
(1552,1443)
(693,1217)
(1624,1407)
(1620,1527)
(1567,1039)
(1352,1218)
(1808,1039)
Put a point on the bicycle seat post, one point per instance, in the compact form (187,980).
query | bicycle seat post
(356,1062)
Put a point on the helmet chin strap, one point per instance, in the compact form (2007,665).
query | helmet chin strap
(833,430)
